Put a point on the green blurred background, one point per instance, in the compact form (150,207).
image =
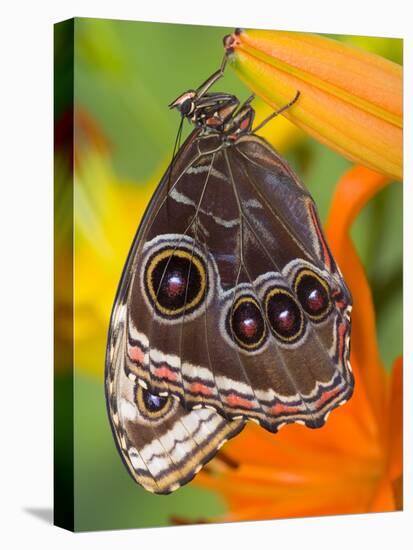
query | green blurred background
(126,74)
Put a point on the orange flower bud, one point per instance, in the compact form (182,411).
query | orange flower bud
(351,100)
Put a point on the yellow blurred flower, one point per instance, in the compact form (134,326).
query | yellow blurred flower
(351,100)
(106,214)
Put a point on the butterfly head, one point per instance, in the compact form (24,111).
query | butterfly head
(216,113)
(185,103)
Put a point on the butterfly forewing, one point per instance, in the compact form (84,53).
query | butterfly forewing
(162,444)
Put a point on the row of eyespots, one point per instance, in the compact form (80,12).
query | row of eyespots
(245,323)
(176,283)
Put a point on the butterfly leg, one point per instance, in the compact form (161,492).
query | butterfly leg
(276,113)
(248,101)
(203,88)
(241,122)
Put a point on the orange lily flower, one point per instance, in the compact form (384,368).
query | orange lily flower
(354,463)
(351,100)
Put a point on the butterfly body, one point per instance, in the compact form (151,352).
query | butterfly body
(230,308)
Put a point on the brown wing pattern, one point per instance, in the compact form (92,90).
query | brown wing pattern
(233,300)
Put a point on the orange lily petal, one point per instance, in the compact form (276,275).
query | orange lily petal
(351,100)
(353,191)
(384,500)
(354,463)
(395,429)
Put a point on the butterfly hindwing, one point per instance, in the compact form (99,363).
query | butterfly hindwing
(234,300)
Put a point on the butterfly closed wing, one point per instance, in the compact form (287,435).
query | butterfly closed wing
(231,306)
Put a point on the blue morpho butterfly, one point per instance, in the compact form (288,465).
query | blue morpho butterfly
(230,307)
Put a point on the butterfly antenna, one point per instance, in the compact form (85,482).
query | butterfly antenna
(176,148)
(177,144)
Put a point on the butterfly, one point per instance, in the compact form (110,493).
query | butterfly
(231,307)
